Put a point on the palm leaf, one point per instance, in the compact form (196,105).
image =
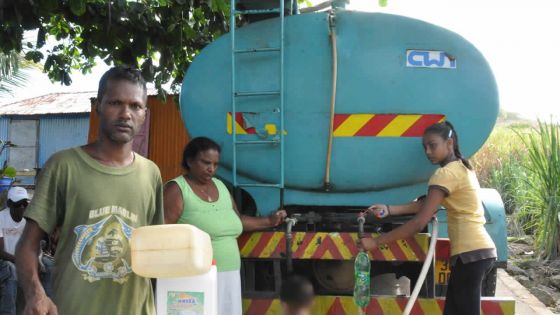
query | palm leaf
(11,72)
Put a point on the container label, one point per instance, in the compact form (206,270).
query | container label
(185,303)
(430,59)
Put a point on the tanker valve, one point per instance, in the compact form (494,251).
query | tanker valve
(290,222)
(361,222)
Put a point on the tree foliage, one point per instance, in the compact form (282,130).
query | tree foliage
(11,75)
(160,37)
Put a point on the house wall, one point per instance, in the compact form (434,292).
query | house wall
(4,123)
(52,134)
(59,132)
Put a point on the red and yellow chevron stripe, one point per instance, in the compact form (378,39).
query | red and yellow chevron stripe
(323,245)
(443,249)
(383,125)
(239,125)
(242,129)
(343,305)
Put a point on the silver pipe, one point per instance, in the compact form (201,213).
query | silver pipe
(361,222)
(290,222)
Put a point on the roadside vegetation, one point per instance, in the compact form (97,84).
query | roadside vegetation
(521,159)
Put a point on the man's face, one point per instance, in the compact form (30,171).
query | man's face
(18,208)
(122,110)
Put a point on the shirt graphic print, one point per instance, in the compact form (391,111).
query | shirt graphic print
(102,248)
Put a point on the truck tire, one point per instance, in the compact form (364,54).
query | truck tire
(489,282)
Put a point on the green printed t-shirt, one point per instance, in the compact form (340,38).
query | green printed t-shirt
(96,208)
(218,219)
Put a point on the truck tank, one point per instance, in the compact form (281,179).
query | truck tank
(396,76)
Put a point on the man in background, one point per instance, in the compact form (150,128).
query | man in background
(12,224)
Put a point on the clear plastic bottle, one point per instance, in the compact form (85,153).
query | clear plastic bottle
(361,279)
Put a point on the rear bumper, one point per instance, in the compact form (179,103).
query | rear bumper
(379,305)
(329,245)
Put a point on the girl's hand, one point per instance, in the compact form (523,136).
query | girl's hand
(277,217)
(367,244)
(380,211)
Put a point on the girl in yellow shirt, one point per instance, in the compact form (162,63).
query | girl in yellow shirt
(455,186)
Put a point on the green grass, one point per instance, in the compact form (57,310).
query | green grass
(543,146)
(522,162)
(499,165)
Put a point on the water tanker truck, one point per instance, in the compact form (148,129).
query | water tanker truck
(322,114)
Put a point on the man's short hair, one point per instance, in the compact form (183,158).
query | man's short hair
(297,291)
(117,73)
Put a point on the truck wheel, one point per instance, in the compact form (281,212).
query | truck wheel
(489,282)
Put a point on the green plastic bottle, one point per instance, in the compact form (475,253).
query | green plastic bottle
(361,279)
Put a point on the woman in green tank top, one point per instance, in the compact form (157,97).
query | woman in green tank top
(199,199)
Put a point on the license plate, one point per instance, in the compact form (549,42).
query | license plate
(443,271)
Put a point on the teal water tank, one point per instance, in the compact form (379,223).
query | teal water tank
(396,76)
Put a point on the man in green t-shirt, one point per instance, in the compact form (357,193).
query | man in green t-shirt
(96,195)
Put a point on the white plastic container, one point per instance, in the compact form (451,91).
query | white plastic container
(197,295)
(170,251)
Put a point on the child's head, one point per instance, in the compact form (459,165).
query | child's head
(441,143)
(296,295)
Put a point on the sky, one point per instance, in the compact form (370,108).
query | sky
(518,38)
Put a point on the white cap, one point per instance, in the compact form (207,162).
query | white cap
(16,194)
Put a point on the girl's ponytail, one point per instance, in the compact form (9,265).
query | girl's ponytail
(456,150)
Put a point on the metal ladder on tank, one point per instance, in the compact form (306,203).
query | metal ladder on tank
(236,94)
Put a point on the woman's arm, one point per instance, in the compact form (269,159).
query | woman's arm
(427,209)
(172,203)
(260,223)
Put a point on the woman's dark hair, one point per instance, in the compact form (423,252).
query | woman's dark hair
(296,291)
(197,145)
(446,130)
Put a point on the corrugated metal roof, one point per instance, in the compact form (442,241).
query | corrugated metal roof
(55,103)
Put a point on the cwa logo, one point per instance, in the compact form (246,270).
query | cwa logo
(429,59)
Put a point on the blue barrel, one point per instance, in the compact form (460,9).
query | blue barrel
(5,183)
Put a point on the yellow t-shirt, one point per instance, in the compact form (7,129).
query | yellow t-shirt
(465,214)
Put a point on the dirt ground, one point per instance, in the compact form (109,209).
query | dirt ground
(541,278)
